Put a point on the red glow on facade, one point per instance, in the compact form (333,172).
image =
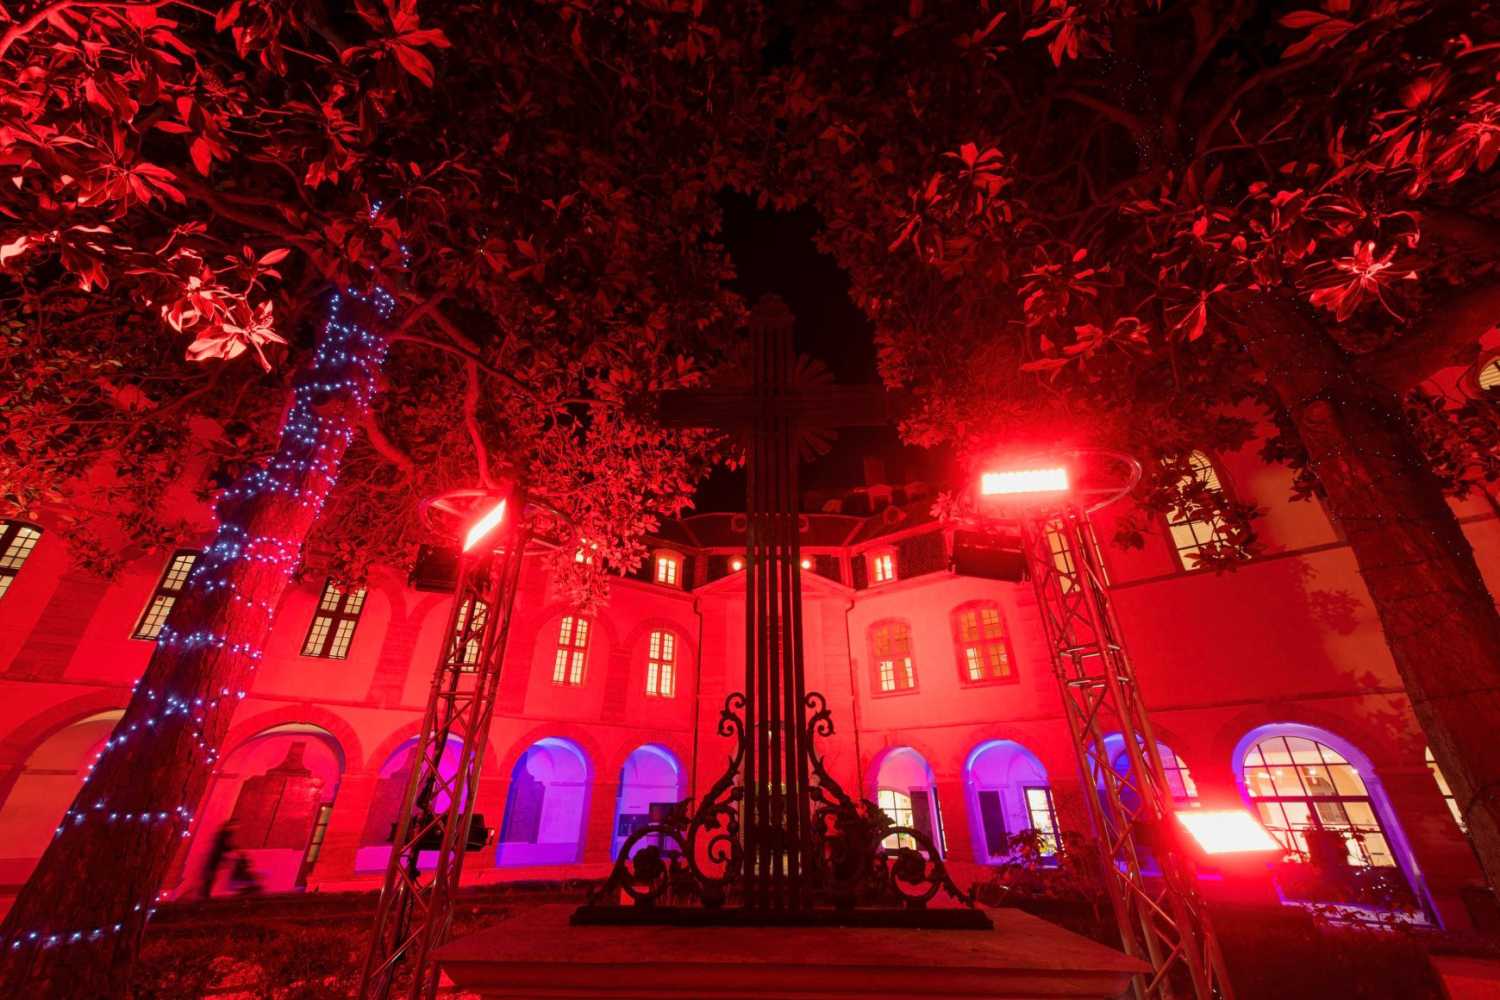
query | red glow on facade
(482,527)
(1227,831)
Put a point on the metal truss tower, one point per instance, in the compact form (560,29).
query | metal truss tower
(416,905)
(1163,919)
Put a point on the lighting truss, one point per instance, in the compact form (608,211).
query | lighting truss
(415,908)
(1162,918)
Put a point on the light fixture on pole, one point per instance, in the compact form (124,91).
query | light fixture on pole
(437,812)
(1162,920)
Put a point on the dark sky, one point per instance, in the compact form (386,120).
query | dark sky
(774,252)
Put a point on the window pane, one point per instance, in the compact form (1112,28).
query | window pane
(1346,780)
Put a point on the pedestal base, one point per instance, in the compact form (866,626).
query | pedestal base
(538,955)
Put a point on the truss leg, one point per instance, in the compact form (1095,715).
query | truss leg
(415,907)
(1162,920)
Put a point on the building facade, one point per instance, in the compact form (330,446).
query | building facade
(1269,686)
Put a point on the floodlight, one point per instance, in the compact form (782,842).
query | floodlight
(1011,482)
(1227,831)
(486,524)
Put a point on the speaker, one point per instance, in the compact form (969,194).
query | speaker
(436,569)
(989,557)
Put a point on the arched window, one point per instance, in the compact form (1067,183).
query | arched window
(17,539)
(1303,789)
(1191,535)
(1009,793)
(661,664)
(890,646)
(572,651)
(905,790)
(1179,779)
(668,568)
(1488,376)
(1442,783)
(983,650)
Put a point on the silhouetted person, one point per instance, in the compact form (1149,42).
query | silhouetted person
(222,847)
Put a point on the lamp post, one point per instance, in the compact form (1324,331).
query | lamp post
(1162,920)
(437,813)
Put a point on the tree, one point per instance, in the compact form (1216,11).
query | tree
(524,224)
(1138,218)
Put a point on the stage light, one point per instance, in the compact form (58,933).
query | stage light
(1017,481)
(484,526)
(807,564)
(1227,831)
(736,564)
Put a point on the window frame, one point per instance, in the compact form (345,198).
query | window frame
(875,558)
(164,594)
(1445,790)
(671,644)
(473,647)
(1209,472)
(1052,836)
(570,662)
(10,537)
(336,617)
(876,670)
(1352,844)
(667,557)
(961,645)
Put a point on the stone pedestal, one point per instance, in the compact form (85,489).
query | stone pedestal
(537,954)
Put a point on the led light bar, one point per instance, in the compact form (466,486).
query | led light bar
(1016,481)
(484,526)
(1227,831)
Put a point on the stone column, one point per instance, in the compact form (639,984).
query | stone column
(599,825)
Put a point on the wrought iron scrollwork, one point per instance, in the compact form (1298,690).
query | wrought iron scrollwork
(697,856)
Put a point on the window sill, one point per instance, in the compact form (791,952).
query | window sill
(898,692)
(990,681)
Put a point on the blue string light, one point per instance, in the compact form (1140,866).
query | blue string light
(346,361)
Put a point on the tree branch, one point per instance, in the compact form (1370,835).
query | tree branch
(385,446)
(459,352)
(1448,336)
(471,421)
(1114,113)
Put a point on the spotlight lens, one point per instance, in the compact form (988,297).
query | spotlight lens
(1013,481)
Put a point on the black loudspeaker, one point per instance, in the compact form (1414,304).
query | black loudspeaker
(436,569)
(989,557)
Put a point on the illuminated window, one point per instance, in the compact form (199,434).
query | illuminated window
(1442,782)
(891,642)
(668,568)
(173,579)
(17,539)
(982,650)
(1302,788)
(1489,376)
(883,567)
(468,632)
(1190,535)
(896,805)
(333,624)
(1042,816)
(572,651)
(1179,780)
(661,665)
(1062,559)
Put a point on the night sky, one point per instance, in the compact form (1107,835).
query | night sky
(775,252)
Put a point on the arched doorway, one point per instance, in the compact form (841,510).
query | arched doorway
(42,792)
(906,791)
(545,806)
(1008,793)
(277,790)
(1319,796)
(650,782)
(385,805)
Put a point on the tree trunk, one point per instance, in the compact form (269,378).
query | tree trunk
(1439,618)
(77,925)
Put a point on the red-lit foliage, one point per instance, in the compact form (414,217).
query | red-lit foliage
(1156,224)
(535,187)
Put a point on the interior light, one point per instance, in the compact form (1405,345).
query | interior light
(484,526)
(807,564)
(736,564)
(1227,831)
(1014,481)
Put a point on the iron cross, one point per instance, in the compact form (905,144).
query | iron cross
(779,413)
